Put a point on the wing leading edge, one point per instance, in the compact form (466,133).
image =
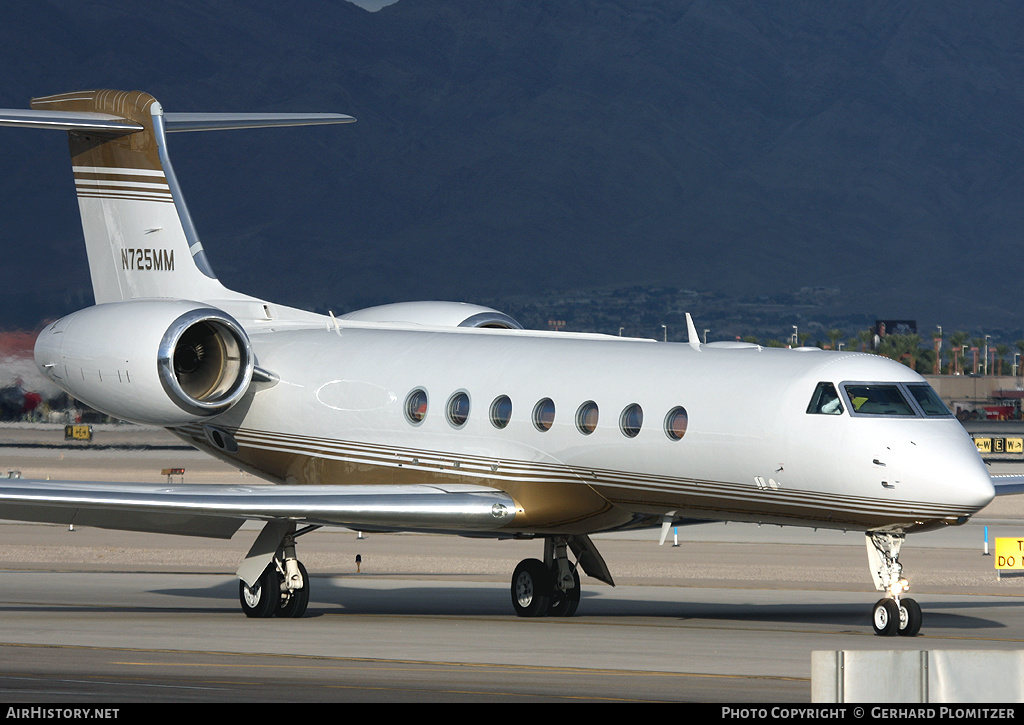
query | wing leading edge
(218,511)
(1008,484)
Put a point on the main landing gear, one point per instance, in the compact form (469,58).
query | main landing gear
(894,613)
(282,589)
(551,588)
(276,594)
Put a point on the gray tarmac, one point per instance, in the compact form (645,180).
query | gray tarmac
(730,614)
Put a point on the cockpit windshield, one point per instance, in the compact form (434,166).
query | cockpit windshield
(825,400)
(929,400)
(877,399)
(909,400)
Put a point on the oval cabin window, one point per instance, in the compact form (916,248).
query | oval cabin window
(416,406)
(501,411)
(675,423)
(586,417)
(458,409)
(544,414)
(631,420)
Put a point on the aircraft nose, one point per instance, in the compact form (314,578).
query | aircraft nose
(976,488)
(965,477)
(947,465)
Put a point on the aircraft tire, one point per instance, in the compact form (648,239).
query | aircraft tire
(564,603)
(262,600)
(885,617)
(295,605)
(532,586)
(910,618)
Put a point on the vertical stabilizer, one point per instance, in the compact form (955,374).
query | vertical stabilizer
(138,234)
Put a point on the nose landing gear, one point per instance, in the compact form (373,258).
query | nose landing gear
(893,614)
(896,616)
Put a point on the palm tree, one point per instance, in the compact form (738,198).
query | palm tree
(833,337)
(957,340)
(904,348)
(1001,351)
(866,338)
(977,344)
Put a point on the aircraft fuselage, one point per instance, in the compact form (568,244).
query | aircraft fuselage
(750,450)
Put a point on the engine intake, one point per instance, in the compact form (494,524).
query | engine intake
(205,361)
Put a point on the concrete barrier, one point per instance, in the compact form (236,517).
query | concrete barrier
(883,676)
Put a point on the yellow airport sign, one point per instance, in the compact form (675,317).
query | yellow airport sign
(78,432)
(1009,553)
(999,445)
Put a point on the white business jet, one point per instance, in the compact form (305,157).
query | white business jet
(449,417)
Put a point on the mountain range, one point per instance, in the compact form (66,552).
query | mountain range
(508,148)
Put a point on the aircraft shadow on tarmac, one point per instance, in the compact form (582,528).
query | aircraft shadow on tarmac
(333,595)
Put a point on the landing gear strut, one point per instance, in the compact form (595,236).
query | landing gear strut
(894,613)
(549,588)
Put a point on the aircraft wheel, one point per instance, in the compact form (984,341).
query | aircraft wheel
(564,603)
(531,588)
(910,618)
(262,599)
(295,605)
(885,618)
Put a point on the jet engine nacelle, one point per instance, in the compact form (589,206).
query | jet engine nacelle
(160,361)
(435,314)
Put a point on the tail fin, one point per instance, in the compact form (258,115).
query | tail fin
(140,239)
(138,234)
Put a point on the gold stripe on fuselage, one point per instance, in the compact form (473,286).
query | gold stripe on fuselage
(595,500)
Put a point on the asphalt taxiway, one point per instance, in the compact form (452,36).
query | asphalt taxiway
(731,614)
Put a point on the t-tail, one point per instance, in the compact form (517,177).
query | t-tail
(140,239)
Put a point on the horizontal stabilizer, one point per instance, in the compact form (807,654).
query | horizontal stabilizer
(67,120)
(231,121)
(218,510)
(109,123)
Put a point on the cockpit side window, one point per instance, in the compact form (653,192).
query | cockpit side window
(929,400)
(825,400)
(878,399)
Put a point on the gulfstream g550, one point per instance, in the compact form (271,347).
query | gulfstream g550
(448,417)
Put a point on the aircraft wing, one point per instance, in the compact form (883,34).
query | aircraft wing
(217,511)
(1008,484)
